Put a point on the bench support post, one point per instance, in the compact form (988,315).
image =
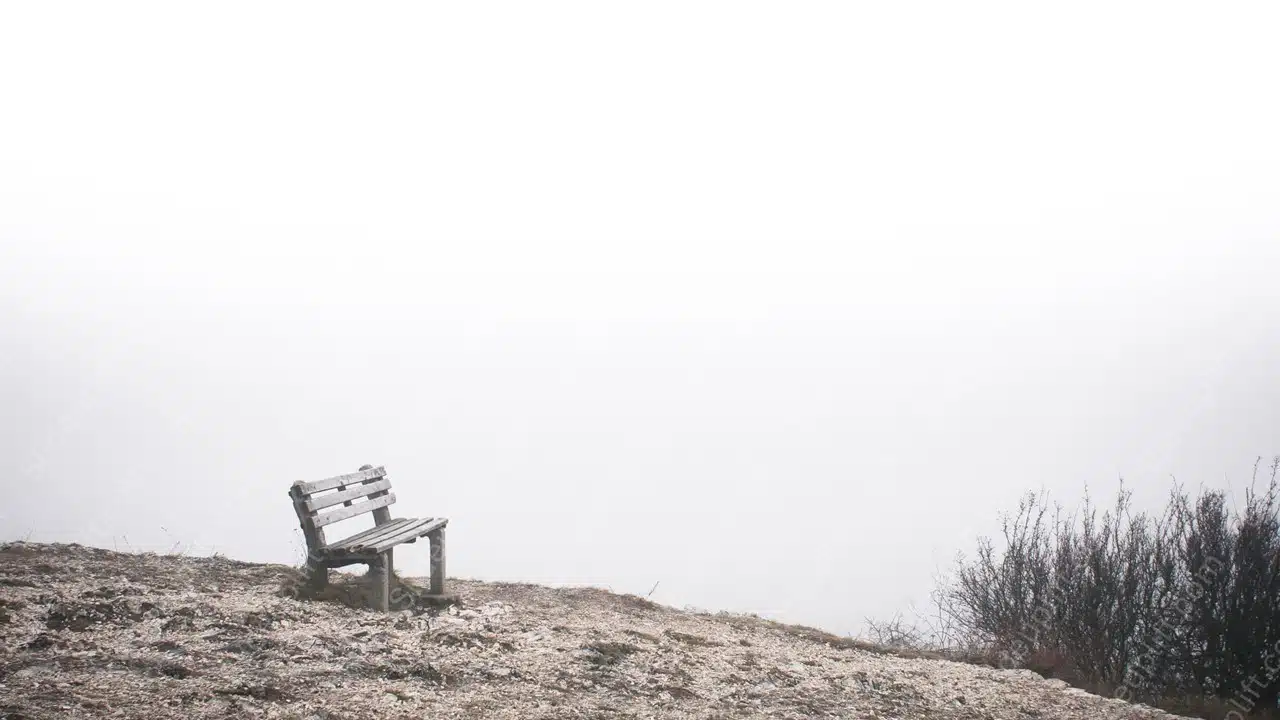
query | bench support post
(436,537)
(317,573)
(381,581)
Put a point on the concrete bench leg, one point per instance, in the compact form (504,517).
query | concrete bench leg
(437,561)
(317,574)
(381,580)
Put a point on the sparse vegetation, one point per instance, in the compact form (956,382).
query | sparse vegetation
(1180,611)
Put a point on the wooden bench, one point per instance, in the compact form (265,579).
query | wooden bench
(325,502)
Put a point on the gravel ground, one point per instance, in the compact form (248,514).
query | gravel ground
(88,633)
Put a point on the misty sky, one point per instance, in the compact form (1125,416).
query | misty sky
(778,304)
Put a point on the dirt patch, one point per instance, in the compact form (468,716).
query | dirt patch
(159,666)
(7,607)
(405,669)
(79,617)
(677,692)
(257,644)
(607,654)
(269,692)
(471,638)
(691,639)
(643,636)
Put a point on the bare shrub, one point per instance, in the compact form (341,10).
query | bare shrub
(1181,611)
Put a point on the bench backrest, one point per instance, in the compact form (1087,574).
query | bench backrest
(327,501)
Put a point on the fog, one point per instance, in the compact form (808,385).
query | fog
(775,306)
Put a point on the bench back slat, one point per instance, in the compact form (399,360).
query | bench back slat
(320,502)
(356,508)
(340,480)
(366,491)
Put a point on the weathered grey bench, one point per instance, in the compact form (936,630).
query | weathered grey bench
(325,502)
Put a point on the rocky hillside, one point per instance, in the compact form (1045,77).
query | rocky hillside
(91,633)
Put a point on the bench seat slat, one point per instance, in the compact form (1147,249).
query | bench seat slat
(366,544)
(413,532)
(384,537)
(348,479)
(355,509)
(341,545)
(361,541)
(320,502)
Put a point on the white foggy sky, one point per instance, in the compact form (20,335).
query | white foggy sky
(777,304)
